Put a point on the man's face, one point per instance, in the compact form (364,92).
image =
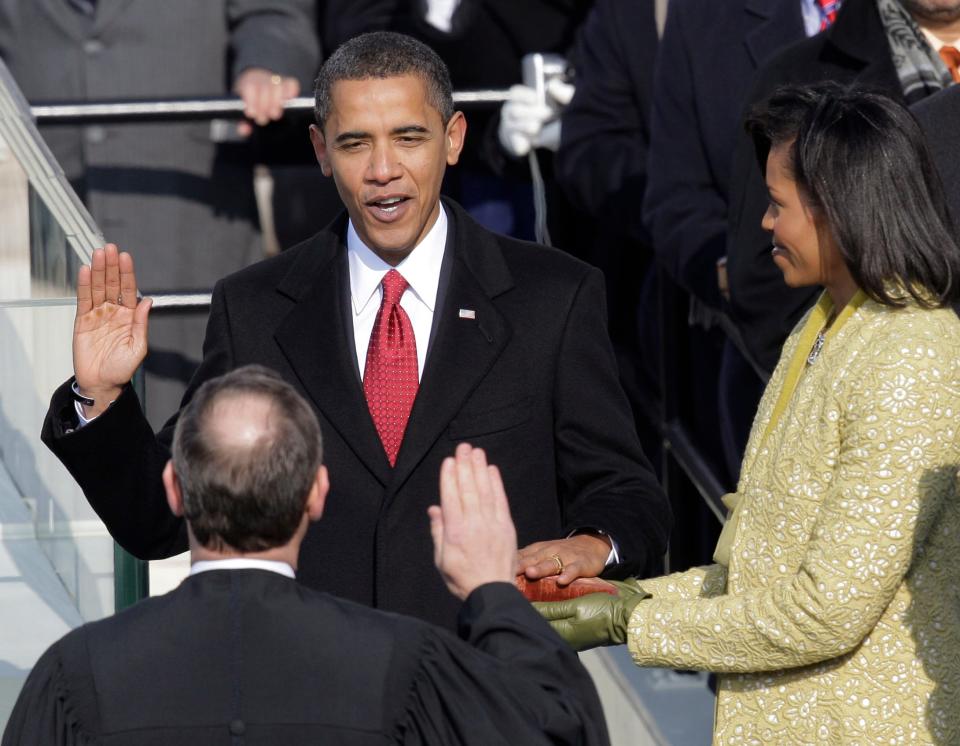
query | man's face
(933,12)
(387,149)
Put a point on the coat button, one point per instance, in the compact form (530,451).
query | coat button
(93,46)
(237,727)
(94,134)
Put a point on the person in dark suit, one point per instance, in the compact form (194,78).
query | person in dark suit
(708,57)
(855,50)
(602,166)
(697,110)
(495,340)
(939,116)
(241,653)
(158,185)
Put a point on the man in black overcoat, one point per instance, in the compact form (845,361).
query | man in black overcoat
(510,344)
(241,653)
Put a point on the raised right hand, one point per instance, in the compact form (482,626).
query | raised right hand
(110,329)
(474,539)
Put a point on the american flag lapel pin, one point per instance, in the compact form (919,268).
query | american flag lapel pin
(467,313)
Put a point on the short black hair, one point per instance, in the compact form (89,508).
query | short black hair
(861,159)
(249,497)
(384,54)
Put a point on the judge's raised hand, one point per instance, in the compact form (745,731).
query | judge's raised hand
(474,539)
(110,329)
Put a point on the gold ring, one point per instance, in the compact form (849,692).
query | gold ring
(276,79)
(120,300)
(556,558)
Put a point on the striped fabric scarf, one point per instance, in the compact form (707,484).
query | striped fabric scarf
(919,67)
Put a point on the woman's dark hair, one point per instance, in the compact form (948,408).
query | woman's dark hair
(862,160)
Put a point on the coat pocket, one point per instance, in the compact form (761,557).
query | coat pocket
(494,420)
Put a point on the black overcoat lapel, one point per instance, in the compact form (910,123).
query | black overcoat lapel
(315,340)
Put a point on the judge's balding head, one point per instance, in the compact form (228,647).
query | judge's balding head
(247,454)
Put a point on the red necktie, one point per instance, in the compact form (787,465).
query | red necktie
(951,58)
(828,12)
(390,376)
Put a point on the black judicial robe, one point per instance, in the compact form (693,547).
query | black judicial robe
(252,657)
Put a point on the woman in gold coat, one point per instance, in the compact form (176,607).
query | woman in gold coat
(832,612)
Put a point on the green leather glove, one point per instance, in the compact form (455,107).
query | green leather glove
(594,619)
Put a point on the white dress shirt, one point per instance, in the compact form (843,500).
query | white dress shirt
(421,270)
(936,43)
(242,563)
(812,16)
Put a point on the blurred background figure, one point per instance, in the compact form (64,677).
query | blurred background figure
(696,121)
(180,194)
(601,165)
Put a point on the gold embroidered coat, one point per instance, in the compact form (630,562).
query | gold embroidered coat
(838,618)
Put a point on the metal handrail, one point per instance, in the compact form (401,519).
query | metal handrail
(75,112)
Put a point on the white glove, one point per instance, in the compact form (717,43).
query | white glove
(526,122)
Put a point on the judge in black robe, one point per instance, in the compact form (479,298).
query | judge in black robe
(249,657)
(240,653)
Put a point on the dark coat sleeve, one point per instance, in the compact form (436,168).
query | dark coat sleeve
(118,460)
(603,476)
(514,682)
(602,161)
(277,35)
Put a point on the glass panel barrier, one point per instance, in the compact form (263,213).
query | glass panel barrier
(57,563)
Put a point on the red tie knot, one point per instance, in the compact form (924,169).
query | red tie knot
(393,287)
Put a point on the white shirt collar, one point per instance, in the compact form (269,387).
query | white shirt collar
(242,563)
(936,42)
(421,267)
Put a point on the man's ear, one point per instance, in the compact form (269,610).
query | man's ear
(172,487)
(320,149)
(317,498)
(456,133)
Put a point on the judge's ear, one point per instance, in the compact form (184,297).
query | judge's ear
(318,494)
(171,486)
(320,149)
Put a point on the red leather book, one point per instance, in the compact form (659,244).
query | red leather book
(546,589)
